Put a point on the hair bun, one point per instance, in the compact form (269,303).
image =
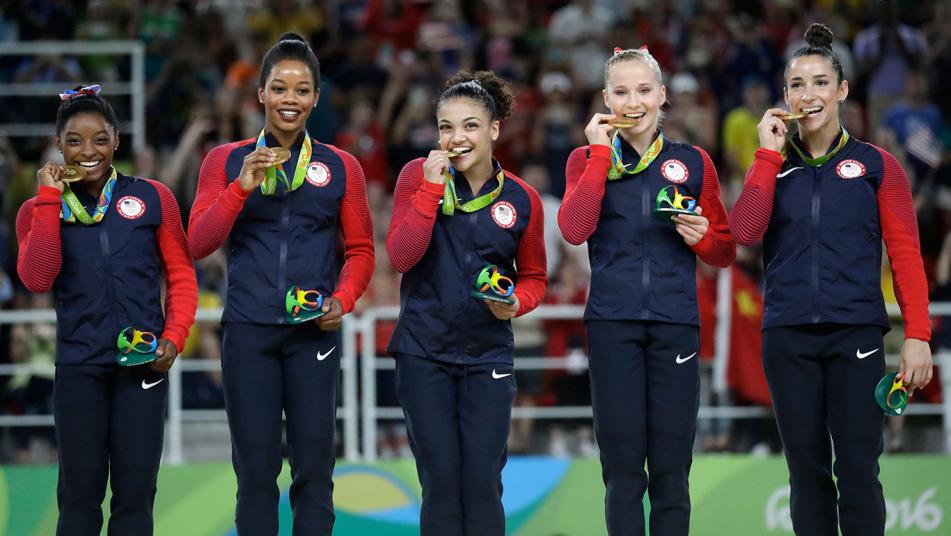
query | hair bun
(819,36)
(292,36)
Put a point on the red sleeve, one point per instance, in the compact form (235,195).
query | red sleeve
(216,206)
(716,248)
(750,215)
(584,189)
(530,263)
(356,226)
(40,255)
(415,204)
(181,288)
(900,231)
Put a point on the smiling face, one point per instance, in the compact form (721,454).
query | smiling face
(88,141)
(634,92)
(465,126)
(289,96)
(812,86)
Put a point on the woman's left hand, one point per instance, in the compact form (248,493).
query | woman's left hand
(692,228)
(166,352)
(915,365)
(333,313)
(503,311)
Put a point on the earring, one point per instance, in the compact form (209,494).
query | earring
(115,147)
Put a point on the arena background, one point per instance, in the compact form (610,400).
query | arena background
(183,75)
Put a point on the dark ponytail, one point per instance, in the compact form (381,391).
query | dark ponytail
(84,99)
(484,87)
(290,46)
(818,43)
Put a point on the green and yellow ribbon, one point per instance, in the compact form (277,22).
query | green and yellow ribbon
(619,168)
(275,174)
(74,211)
(816,162)
(450,199)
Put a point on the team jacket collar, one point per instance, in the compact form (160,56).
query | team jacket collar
(629,154)
(463,184)
(295,147)
(792,156)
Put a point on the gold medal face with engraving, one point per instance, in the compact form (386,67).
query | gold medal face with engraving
(73,174)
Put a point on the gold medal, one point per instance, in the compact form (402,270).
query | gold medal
(792,116)
(73,174)
(625,121)
(283,154)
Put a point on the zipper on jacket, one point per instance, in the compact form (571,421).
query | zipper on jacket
(816,200)
(110,282)
(646,262)
(473,218)
(282,265)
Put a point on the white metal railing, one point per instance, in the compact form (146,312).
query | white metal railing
(177,415)
(370,363)
(135,87)
(360,418)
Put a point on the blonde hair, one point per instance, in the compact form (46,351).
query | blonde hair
(640,54)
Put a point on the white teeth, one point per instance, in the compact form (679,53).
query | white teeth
(811,109)
(289,115)
(635,116)
(90,164)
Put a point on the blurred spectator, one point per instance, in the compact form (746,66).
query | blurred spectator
(579,29)
(691,118)
(393,25)
(363,138)
(556,129)
(44,19)
(740,139)
(917,125)
(414,131)
(203,389)
(9,168)
(360,74)
(276,17)
(885,51)
(853,118)
(31,392)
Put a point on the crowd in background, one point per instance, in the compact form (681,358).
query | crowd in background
(382,63)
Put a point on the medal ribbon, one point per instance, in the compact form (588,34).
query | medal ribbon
(619,168)
(73,210)
(450,200)
(816,162)
(275,174)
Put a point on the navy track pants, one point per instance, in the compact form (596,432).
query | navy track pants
(822,379)
(110,425)
(645,392)
(458,419)
(267,370)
